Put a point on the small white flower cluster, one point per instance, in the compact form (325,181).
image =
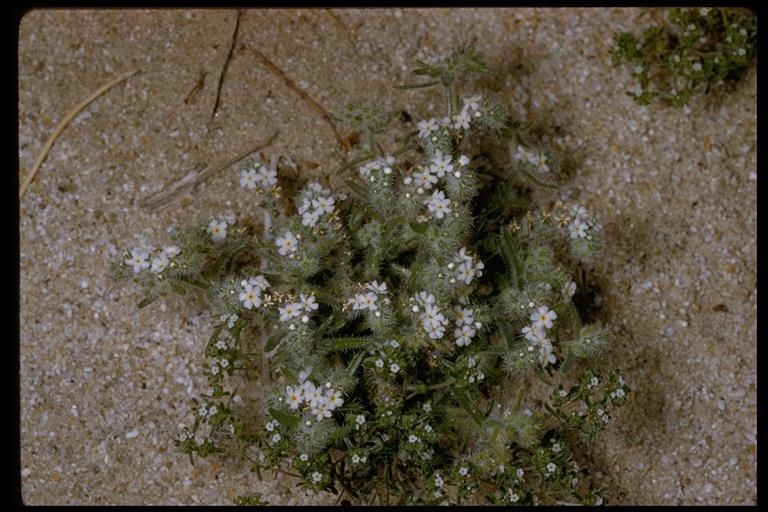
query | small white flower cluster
(465,330)
(464,267)
(321,403)
(439,166)
(306,304)
(619,393)
(471,108)
(359,421)
(476,377)
(384,165)
(316,202)
(432,320)
(368,300)
(139,259)
(512,495)
(287,244)
(358,459)
(252,288)
(260,175)
(217,228)
(537,159)
(204,411)
(582,224)
(534,333)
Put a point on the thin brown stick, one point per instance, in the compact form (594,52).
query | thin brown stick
(196,176)
(198,86)
(226,64)
(337,20)
(64,122)
(303,95)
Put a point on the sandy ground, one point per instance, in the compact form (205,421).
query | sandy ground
(676,191)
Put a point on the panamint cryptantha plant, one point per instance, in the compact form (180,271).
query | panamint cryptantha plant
(413,339)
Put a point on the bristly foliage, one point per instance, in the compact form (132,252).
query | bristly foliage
(696,51)
(392,333)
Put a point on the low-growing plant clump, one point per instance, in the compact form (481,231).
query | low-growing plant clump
(395,329)
(694,52)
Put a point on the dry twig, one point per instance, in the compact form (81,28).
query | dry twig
(226,64)
(303,95)
(200,173)
(63,123)
(198,86)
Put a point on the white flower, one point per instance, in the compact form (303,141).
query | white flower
(473,102)
(376,287)
(577,229)
(360,419)
(202,411)
(426,127)
(463,160)
(424,178)
(438,480)
(462,120)
(250,297)
(704,11)
(697,66)
(333,399)
(741,51)
(172,251)
(543,317)
(355,459)
(394,368)
(308,303)
(413,439)
(441,164)
(289,311)
(214,369)
(267,177)
(556,448)
(425,298)
(259,282)
(322,411)
(368,301)
(221,345)
(138,260)
(394,344)
(546,354)
(309,219)
(464,335)
(218,230)
(551,467)
(534,333)
(379,363)
(317,477)
(323,205)
(248,179)
(464,316)
(276,438)
(287,243)
(159,262)
(463,471)
(304,457)
(295,397)
(620,393)
(437,204)
(427,407)
(520,473)
(513,497)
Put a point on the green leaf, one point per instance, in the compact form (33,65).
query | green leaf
(352,343)
(286,419)
(417,86)
(538,181)
(146,302)
(179,289)
(357,189)
(418,228)
(272,342)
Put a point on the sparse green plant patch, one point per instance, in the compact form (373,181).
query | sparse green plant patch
(692,53)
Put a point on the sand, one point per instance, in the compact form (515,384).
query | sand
(104,385)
